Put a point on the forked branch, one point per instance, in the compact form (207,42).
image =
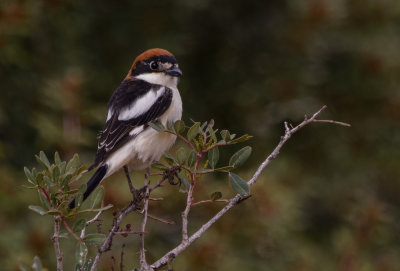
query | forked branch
(187,241)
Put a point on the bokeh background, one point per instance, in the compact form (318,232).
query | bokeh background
(331,201)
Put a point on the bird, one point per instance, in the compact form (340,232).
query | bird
(148,93)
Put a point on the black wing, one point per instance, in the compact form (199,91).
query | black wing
(116,132)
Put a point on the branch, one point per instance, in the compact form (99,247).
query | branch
(94,219)
(107,243)
(169,256)
(56,242)
(143,263)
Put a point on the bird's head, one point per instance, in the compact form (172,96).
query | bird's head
(156,66)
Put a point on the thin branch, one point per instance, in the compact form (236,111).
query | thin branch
(129,232)
(143,262)
(209,201)
(289,131)
(94,219)
(128,178)
(106,244)
(161,219)
(56,242)
(334,122)
(70,230)
(121,264)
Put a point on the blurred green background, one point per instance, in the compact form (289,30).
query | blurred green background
(331,201)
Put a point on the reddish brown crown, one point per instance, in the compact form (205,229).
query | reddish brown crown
(150,53)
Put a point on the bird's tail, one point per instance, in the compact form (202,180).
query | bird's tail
(92,183)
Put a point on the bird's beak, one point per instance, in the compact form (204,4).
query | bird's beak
(174,71)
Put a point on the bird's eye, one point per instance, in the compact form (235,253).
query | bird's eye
(154,65)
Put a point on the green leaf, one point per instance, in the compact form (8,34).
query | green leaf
(170,126)
(66,180)
(72,164)
(216,195)
(48,181)
(193,131)
(157,125)
(181,153)
(185,182)
(56,174)
(179,126)
(57,159)
(37,209)
(79,225)
(29,175)
(192,159)
(44,200)
(62,166)
(170,158)
(43,158)
(224,169)
(238,184)
(225,135)
(63,234)
(240,139)
(39,179)
(81,253)
(37,264)
(44,163)
(97,197)
(212,133)
(94,238)
(86,266)
(159,166)
(213,157)
(72,191)
(54,212)
(240,157)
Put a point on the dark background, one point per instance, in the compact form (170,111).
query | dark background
(329,202)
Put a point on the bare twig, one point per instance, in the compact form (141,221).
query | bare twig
(129,232)
(185,213)
(161,219)
(128,178)
(209,201)
(334,122)
(143,262)
(56,242)
(112,263)
(106,244)
(289,131)
(94,219)
(157,218)
(121,264)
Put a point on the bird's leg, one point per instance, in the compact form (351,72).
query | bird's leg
(128,177)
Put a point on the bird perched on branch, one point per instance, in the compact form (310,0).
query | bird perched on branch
(148,93)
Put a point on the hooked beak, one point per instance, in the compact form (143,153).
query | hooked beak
(175,71)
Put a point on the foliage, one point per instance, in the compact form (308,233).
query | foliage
(55,183)
(330,202)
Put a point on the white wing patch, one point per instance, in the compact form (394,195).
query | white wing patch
(110,113)
(136,131)
(141,105)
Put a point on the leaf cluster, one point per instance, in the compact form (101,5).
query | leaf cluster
(54,186)
(202,155)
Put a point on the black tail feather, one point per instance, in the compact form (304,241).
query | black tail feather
(92,183)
